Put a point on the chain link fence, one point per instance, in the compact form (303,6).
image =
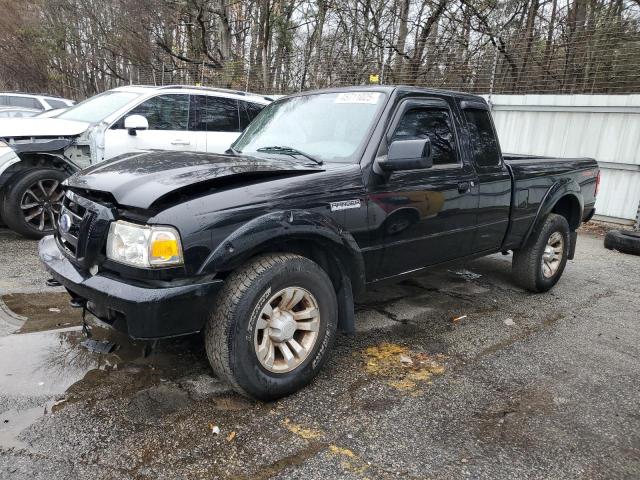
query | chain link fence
(596,63)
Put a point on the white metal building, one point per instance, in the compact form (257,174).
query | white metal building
(605,127)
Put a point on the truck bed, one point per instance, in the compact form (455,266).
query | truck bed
(535,177)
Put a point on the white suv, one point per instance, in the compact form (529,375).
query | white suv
(36,102)
(122,120)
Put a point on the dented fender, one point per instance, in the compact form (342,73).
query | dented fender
(287,225)
(8,157)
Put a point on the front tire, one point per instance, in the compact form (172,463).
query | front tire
(273,327)
(539,265)
(32,202)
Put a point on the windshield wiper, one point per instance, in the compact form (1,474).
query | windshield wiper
(284,150)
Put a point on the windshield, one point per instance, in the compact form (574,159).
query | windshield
(326,126)
(96,109)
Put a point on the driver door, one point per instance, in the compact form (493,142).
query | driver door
(425,216)
(168,117)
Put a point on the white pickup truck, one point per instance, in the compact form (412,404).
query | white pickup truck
(45,151)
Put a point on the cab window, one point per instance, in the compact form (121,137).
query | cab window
(484,143)
(434,123)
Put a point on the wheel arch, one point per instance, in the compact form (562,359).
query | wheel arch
(563,198)
(307,233)
(30,161)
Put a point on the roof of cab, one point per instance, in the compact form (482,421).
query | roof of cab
(390,89)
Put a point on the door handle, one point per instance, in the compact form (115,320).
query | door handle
(180,142)
(463,187)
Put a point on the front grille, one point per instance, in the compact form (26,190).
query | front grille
(82,228)
(76,213)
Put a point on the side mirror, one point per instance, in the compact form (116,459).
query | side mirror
(133,123)
(407,155)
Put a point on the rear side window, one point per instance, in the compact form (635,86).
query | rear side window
(248,111)
(484,143)
(213,114)
(164,112)
(435,123)
(54,103)
(25,102)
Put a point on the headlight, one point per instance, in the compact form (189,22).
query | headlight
(144,246)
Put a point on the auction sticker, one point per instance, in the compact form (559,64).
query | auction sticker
(358,97)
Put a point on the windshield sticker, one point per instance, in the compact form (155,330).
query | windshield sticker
(358,97)
(345,205)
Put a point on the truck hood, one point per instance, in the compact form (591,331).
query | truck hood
(41,127)
(139,180)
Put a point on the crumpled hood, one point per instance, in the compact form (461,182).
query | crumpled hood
(140,179)
(40,127)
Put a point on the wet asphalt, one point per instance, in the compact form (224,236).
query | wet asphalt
(454,374)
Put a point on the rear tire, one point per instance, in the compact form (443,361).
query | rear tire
(245,334)
(32,202)
(539,265)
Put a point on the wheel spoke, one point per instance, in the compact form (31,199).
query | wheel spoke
(290,298)
(27,206)
(44,190)
(42,219)
(58,197)
(53,219)
(53,188)
(547,269)
(28,218)
(261,324)
(287,354)
(305,314)
(266,351)
(267,310)
(32,193)
(298,349)
(312,326)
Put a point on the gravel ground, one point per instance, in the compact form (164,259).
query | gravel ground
(453,374)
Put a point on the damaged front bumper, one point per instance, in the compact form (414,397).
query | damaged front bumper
(143,312)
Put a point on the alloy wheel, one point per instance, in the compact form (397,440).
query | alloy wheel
(287,329)
(41,204)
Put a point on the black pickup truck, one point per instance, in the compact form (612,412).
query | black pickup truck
(324,194)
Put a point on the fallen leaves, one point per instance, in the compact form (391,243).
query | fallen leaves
(302,432)
(351,461)
(404,368)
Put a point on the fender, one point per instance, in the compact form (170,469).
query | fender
(8,157)
(555,193)
(11,155)
(287,225)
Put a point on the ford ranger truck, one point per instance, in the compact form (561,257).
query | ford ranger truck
(325,194)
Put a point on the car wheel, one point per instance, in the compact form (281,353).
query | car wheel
(32,202)
(273,326)
(623,240)
(539,265)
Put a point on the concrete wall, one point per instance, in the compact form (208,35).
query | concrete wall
(605,127)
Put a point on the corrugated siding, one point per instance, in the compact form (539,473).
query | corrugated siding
(605,127)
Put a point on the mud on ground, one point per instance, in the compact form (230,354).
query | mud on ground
(453,374)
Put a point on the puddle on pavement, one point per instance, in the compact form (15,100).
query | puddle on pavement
(42,363)
(44,311)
